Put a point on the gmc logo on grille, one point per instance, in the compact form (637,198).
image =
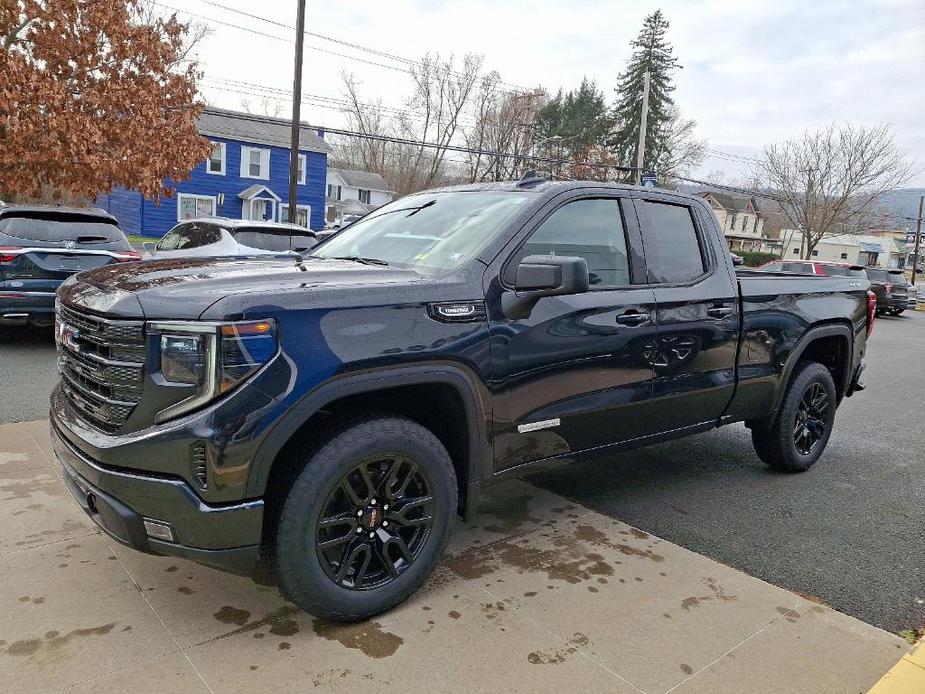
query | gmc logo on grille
(68,336)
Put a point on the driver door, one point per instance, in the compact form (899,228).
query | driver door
(574,375)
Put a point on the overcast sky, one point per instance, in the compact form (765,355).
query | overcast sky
(755,71)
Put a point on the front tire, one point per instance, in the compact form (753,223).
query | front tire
(799,433)
(366,520)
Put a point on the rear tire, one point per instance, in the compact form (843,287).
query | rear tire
(799,433)
(357,534)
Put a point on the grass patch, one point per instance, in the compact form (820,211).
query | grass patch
(912,635)
(135,239)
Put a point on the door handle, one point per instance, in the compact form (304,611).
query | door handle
(720,312)
(632,318)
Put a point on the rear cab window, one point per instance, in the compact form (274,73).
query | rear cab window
(674,253)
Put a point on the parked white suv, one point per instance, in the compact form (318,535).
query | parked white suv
(218,236)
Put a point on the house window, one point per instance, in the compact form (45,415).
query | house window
(216,163)
(364,196)
(192,206)
(334,191)
(844,256)
(255,163)
(796,251)
(732,223)
(300,170)
(303,214)
(744,222)
(814,253)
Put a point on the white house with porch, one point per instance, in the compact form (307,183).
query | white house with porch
(352,193)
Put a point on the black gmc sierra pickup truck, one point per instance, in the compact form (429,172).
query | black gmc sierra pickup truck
(332,413)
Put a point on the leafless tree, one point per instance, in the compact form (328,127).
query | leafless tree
(502,122)
(681,151)
(435,113)
(265,106)
(829,179)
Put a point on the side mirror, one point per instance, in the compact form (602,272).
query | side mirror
(150,246)
(544,275)
(552,275)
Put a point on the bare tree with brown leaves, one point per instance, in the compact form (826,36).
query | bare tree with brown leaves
(829,179)
(95,94)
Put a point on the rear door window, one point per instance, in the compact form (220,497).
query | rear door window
(78,229)
(773,267)
(672,247)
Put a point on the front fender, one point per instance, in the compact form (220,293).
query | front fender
(471,389)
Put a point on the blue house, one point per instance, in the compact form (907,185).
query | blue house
(246,177)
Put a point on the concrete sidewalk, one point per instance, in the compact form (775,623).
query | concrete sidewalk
(535,594)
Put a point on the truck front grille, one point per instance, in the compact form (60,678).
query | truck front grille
(101,362)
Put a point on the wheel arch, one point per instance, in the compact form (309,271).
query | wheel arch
(832,346)
(406,391)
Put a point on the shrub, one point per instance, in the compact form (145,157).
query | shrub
(756,258)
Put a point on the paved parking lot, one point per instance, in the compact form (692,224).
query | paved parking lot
(535,594)
(847,533)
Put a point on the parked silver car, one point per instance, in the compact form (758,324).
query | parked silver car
(218,236)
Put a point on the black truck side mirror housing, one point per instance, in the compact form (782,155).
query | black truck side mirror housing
(552,275)
(544,275)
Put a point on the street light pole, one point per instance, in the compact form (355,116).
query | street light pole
(296,115)
(643,118)
(918,236)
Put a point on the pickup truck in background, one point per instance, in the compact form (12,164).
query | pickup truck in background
(334,412)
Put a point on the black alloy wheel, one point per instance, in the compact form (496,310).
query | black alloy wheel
(365,519)
(793,439)
(375,522)
(809,426)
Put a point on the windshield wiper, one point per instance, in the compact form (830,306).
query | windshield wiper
(356,259)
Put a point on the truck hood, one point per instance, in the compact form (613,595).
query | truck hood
(184,288)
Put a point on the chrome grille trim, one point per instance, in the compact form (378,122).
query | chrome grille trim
(102,366)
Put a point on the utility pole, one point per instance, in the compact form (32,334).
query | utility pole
(641,150)
(918,237)
(296,115)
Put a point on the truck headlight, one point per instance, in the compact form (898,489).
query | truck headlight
(215,357)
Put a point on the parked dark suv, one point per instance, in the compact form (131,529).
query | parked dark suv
(891,288)
(42,246)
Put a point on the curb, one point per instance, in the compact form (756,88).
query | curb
(908,675)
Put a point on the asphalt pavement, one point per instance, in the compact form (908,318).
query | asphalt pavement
(849,533)
(27,372)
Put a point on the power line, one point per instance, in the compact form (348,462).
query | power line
(356,46)
(274,36)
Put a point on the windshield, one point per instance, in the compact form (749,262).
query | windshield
(897,278)
(430,233)
(876,275)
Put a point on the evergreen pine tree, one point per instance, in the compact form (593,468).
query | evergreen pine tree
(652,53)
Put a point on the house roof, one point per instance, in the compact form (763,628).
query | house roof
(255,190)
(737,203)
(261,130)
(361,179)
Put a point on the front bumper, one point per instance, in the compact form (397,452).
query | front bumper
(224,536)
